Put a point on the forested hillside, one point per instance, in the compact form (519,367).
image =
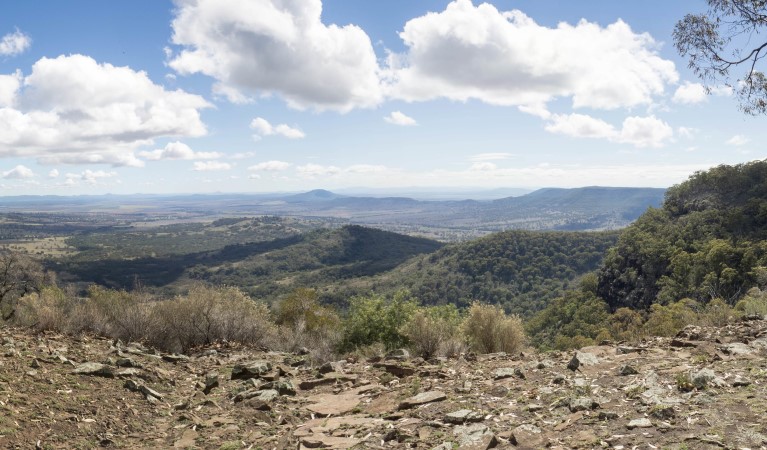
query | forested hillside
(520,270)
(706,242)
(699,259)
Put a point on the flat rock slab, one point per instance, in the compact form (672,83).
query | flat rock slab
(422,399)
(528,436)
(323,441)
(94,369)
(503,372)
(333,405)
(462,416)
(331,424)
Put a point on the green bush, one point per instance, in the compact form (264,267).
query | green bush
(754,303)
(375,318)
(669,320)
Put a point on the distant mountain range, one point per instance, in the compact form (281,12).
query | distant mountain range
(587,208)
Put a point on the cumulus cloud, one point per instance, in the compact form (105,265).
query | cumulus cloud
(19,173)
(90,177)
(9,85)
(738,140)
(264,128)
(505,58)
(689,93)
(638,131)
(15,43)
(270,166)
(316,170)
(210,166)
(54,173)
(177,150)
(75,110)
(398,118)
(271,46)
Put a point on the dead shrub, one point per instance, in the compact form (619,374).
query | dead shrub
(48,310)
(488,329)
(429,330)
(207,315)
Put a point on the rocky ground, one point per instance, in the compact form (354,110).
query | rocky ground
(706,388)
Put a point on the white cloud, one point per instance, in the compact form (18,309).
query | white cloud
(638,131)
(18,173)
(689,93)
(491,156)
(9,87)
(242,155)
(264,128)
(270,166)
(738,140)
(316,170)
(365,168)
(210,166)
(483,166)
(276,46)
(73,109)
(90,177)
(177,150)
(505,58)
(398,118)
(54,173)
(687,132)
(15,43)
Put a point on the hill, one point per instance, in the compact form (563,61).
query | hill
(707,241)
(521,270)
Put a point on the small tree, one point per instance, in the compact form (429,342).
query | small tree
(19,275)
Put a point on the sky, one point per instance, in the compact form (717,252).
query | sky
(202,96)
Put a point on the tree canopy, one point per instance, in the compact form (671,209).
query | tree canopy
(730,36)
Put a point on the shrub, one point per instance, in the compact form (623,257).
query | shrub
(47,310)
(668,320)
(119,314)
(304,322)
(431,329)
(206,315)
(626,324)
(754,303)
(375,319)
(716,313)
(488,329)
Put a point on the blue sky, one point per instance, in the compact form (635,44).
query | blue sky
(151,96)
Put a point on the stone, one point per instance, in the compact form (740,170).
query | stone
(211,382)
(471,434)
(422,399)
(503,372)
(333,405)
(324,441)
(268,395)
(582,359)
(332,366)
(316,382)
(737,348)
(528,436)
(702,378)
(627,370)
(400,354)
(127,362)
(250,370)
(138,387)
(462,416)
(175,358)
(398,370)
(582,404)
(740,381)
(284,387)
(94,369)
(639,423)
